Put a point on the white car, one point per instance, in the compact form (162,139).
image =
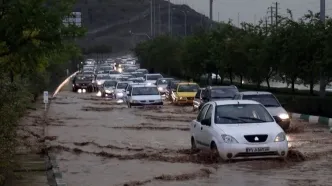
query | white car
(238,129)
(152,78)
(270,102)
(120,89)
(143,95)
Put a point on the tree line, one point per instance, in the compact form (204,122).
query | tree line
(36,48)
(291,50)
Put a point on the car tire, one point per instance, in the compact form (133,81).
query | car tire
(214,148)
(193,143)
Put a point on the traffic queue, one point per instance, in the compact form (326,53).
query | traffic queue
(237,125)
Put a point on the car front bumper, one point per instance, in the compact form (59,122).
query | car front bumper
(184,101)
(146,104)
(239,151)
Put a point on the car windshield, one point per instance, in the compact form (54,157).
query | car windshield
(136,80)
(241,113)
(121,85)
(153,77)
(110,83)
(268,100)
(223,92)
(88,72)
(114,72)
(138,74)
(163,81)
(84,78)
(188,88)
(145,91)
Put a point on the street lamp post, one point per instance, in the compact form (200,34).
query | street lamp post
(185,22)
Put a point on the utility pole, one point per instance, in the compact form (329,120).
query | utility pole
(238,19)
(276,14)
(322,81)
(154,18)
(211,10)
(169,16)
(271,11)
(159,29)
(151,17)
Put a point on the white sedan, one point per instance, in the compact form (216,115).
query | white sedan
(238,129)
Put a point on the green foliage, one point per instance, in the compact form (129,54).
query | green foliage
(36,48)
(292,52)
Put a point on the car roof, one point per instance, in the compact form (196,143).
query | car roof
(187,83)
(124,81)
(255,93)
(233,102)
(153,74)
(143,85)
(216,87)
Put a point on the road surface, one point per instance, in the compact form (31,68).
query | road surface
(101,143)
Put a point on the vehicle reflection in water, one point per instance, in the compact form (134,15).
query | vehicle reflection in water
(98,94)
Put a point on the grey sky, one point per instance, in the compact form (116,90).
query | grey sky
(251,10)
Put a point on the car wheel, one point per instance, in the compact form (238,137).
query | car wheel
(214,148)
(193,144)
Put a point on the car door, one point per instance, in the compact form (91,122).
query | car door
(197,126)
(207,131)
(197,99)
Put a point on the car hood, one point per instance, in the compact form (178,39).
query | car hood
(238,131)
(101,81)
(276,111)
(151,81)
(146,97)
(186,94)
(108,88)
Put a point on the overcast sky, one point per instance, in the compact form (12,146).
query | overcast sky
(253,10)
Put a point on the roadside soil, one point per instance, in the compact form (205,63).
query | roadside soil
(99,142)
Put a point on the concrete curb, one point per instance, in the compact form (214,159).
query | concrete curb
(313,119)
(54,172)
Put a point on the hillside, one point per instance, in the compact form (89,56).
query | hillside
(109,21)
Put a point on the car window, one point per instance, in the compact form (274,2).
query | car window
(202,112)
(223,92)
(208,114)
(268,100)
(198,94)
(188,88)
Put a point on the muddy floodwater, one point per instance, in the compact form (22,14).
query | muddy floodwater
(101,143)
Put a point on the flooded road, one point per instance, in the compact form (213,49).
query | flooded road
(101,143)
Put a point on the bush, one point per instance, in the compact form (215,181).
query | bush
(13,101)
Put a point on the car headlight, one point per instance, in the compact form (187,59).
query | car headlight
(160,88)
(99,83)
(229,139)
(119,94)
(280,137)
(149,84)
(108,91)
(283,116)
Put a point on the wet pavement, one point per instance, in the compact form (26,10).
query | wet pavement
(99,142)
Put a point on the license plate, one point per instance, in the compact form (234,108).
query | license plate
(258,149)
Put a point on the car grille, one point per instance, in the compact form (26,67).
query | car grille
(247,154)
(256,138)
(143,101)
(190,98)
(151,101)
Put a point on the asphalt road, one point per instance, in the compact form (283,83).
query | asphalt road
(101,143)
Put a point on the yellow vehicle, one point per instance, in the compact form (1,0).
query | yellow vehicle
(185,93)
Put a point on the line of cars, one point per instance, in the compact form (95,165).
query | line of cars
(234,124)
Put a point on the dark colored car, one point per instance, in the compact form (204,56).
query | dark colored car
(83,82)
(212,93)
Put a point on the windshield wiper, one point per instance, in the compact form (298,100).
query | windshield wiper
(255,119)
(233,118)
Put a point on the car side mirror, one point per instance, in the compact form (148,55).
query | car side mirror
(206,122)
(277,119)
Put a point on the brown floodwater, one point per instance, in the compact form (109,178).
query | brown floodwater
(100,143)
